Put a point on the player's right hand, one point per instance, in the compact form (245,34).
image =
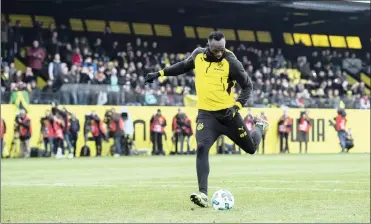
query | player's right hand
(151,76)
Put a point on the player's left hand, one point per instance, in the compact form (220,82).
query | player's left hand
(231,112)
(151,76)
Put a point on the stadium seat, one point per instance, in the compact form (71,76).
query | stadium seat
(337,41)
(303,38)
(76,24)
(229,34)
(189,32)
(95,25)
(162,30)
(320,40)
(46,20)
(203,32)
(264,36)
(287,38)
(26,20)
(3,17)
(366,79)
(142,29)
(119,27)
(246,35)
(354,42)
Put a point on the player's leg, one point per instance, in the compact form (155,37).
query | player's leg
(206,134)
(247,141)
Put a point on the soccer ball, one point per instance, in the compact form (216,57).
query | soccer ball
(222,200)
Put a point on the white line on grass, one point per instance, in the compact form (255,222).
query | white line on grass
(178,186)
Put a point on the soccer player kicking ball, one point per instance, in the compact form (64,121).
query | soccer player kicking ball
(216,71)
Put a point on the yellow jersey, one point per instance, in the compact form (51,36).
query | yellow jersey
(214,79)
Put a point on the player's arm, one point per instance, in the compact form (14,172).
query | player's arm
(238,73)
(176,69)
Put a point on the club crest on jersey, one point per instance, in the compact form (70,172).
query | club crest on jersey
(200,126)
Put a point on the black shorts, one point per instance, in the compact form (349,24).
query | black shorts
(211,124)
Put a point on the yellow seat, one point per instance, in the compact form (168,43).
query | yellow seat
(95,25)
(143,29)
(264,36)
(246,35)
(26,20)
(163,30)
(203,32)
(76,24)
(189,32)
(119,27)
(46,20)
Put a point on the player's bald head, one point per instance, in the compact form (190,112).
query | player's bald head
(216,42)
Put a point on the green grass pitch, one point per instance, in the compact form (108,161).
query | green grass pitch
(270,188)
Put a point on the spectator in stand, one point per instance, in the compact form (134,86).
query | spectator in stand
(36,56)
(5,79)
(35,93)
(54,68)
(365,101)
(77,57)
(29,76)
(53,45)
(18,84)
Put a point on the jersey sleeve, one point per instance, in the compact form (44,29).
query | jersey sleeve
(181,67)
(238,73)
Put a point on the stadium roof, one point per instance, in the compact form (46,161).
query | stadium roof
(339,6)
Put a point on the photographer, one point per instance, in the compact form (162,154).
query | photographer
(66,127)
(47,132)
(340,127)
(284,129)
(23,127)
(303,129)
(116,127)
(2,133)
(95,125)
(74,129)
(157,125)
(58,126)
(262,115)
(182,128)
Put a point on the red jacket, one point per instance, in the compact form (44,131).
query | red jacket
(36,57)
(117,126)
(76,59)
(97,128)
(286,124)
(340,123)
(47,128)
(157,124)
(249,121)
(304,125)
(58,128)
(25,129)
(3,129)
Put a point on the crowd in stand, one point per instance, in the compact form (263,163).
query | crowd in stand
(63,60)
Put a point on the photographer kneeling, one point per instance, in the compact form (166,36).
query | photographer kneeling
(116,129)
(23,127)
